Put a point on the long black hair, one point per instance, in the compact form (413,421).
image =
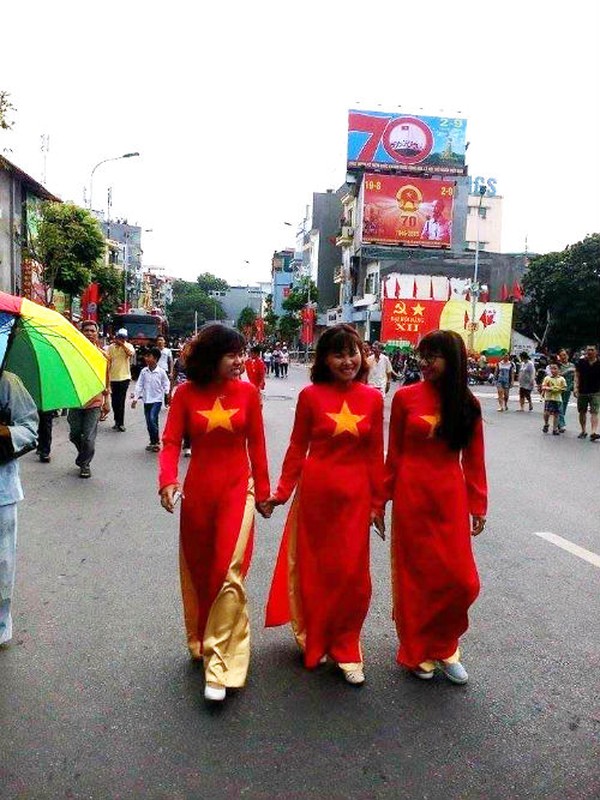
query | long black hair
(335,340)
(206,350)
(459,408)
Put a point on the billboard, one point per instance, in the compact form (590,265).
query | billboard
(410,320)
(406,142)
(402,210)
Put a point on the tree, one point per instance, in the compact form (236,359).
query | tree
(246,320)
(562,296)
(270,317)
(303,292)
(68,244)
(210,283)
(5,108)
(189,298)
(289,325)
(110,280)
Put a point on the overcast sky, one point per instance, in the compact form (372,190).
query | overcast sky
(239,110)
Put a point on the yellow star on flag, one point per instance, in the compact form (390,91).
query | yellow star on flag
(418,310)
(219,417)
(431,420)
(345,420)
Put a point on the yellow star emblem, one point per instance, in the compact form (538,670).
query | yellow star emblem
(345,420)
(431,420)
(219,417)
(418,310)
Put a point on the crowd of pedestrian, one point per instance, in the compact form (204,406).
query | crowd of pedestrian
(434,476)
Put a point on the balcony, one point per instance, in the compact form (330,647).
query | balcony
(345,237)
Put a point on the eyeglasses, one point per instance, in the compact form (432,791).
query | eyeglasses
(429,358)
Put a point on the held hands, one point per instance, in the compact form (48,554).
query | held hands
(478,525)
(265,508)
(167,497)
(133,403)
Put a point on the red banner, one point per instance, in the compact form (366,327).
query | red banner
(259,329)
(410,211)
(89,302)
(410,320)
(307,332)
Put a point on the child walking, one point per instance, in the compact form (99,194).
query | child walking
(553,386)
(152,386)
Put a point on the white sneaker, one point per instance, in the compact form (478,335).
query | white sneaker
(215,694)
(187,452)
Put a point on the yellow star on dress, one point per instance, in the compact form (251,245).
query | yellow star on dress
(345,420)
(219,417)
(431,420)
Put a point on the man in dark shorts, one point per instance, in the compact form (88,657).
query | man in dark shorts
(587,391)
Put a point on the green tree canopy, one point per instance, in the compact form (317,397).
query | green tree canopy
(5,108)
(210,283)
(246,320)
(303,292)
(270,317)
(110,280)
(68,244)
(563,296)
(288,327)
(189,298)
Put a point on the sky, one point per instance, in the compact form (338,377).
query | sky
(239,111)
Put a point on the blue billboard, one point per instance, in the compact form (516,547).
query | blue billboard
(406,142)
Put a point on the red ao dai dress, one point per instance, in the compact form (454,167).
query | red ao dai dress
(227,473)
(434,490)
(322,581)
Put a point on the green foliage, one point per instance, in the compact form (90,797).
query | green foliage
(246,320)
(270,317)
(68,244)
(563,296)
(111,288)
(210,283)
(5,108)
(303,292)
(188,298)
(289,325)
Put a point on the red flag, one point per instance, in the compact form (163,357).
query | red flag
(89,302)
(449,291)
(308,326)
(430,289)
(414,294)
(259,326)
(468,296)
(503,293)
(484,297)
(397,293)
(517,292)
(466,320)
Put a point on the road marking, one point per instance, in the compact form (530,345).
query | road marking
(565,544)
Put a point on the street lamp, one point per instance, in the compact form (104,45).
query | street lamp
(105,161)
(474,284)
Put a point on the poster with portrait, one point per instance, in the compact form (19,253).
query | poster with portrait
(401,210)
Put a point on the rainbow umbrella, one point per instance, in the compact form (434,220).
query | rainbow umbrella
(58,365)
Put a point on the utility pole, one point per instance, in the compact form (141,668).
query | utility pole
(475,284)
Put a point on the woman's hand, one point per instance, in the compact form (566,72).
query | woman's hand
(478,524)
(266,507)
(167,499)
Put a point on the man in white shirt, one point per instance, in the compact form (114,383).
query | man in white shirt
(153,384)
(380,369)
(166,356)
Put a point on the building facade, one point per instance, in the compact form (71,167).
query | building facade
(20,197)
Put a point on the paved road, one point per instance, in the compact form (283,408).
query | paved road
(98,699)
